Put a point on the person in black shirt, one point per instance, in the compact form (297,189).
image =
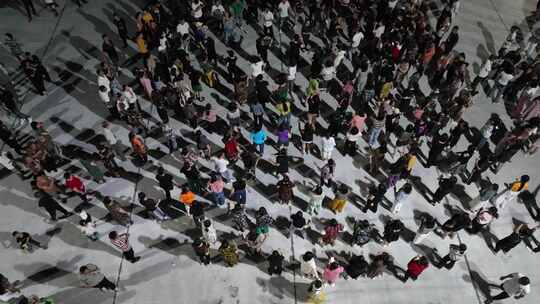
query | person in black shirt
(275,263)
(263,44)
(25,240)
(121,27)
(108,48)
(250,158)
(197,212)
(165,181)
(446,185)
(455,134)
(282,162)
(51,206)
(392,231)
(210,49)
(299,223)
(307,134)
(375,197)
(356,267)
(437,146)
(193,177)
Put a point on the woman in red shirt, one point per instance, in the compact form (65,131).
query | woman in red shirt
(415,267)
(75,184)
(231,149)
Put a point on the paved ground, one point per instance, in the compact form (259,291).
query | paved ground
(168,271)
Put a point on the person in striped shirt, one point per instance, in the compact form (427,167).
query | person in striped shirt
(121,241)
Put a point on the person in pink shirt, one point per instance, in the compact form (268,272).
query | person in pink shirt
(332,271)
(146,83)
(358,120)
(216,185)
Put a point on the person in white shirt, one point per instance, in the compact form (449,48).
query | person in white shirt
(516,286)
(283,8)
(485,69)
(378,31)
(220,165)
(103,80)
(328,72)
(257,68)
(104,95)
(113,141)
(182,28)
(340,55)
(500,84)
(357,39)
(130,96)
(196,9)
(328,145)
(268,22)
(218,12)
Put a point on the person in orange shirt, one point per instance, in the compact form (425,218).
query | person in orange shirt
(138,146)
(187,197)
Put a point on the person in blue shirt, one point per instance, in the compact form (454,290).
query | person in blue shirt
(258,137)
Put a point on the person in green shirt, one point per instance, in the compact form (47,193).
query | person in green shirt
(237,10)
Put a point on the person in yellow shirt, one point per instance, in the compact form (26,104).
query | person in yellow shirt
(147,17)
(142,47)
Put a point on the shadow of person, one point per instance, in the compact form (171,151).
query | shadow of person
(89,296)
(43,273)
(480,282)
(281,288)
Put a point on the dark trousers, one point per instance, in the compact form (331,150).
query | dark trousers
(30,9)
(205,258)
(477,80)
(34,242)
(371,205)
(78,2)
(52,210)
(106,284)
(439,195)
(277,269)
(38,83)
(167,193)
(130,255)
(501,296)
(124,36)
(447,262)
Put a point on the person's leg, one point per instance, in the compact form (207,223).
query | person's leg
(106,284)
(38,85)
(27,6)
(503,295)
(52,213)
(62,209)
(36,243)
(130,255)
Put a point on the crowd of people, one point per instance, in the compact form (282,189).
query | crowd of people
(386,82)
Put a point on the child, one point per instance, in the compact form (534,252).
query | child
(209,232)
(202,249)
(89,229)
(315,201)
